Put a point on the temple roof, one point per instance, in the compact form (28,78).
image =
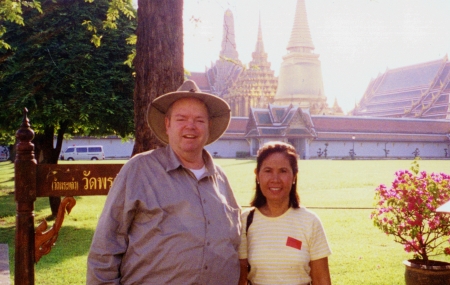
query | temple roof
(201,80)
(237,125)
(280,121)
(236,129)
(289,121)
(419,75)
(380,129)
(420,91)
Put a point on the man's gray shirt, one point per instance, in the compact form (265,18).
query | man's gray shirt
(160,225)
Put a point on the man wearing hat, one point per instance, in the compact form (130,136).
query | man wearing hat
(171,216)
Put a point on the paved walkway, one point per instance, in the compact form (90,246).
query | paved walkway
(5,278)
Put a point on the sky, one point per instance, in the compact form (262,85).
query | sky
(356,39)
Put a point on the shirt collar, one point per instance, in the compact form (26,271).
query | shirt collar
(174,163)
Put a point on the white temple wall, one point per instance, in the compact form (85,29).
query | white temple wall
(341,149)
(115,148)
(228,148)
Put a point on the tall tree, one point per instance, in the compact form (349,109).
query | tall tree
(159,52)
(158,62)
(69,85)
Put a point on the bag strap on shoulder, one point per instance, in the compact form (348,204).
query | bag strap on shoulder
(249,220)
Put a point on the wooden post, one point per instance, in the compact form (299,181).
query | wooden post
(25,196)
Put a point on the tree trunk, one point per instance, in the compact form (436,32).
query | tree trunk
(45,153)
(158,62)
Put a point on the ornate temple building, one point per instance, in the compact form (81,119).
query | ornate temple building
(404,112)
(256,86)
(221,75)
(416,91)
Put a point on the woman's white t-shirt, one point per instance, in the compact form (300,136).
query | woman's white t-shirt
(279,249)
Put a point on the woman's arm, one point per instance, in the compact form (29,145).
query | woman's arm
(320,273)
(244,271)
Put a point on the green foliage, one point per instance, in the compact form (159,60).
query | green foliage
(64,80)
(11,11)
(131,40)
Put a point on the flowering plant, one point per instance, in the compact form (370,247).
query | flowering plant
(407,210)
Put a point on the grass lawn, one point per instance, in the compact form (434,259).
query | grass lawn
(340,192)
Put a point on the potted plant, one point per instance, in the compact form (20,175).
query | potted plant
(407,211)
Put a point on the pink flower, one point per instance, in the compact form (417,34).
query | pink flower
(447,250)
(407,247)
(407,211)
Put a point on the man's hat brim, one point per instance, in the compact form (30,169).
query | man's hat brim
(219,111)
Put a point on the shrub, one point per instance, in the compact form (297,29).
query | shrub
(407,211)
(242,154)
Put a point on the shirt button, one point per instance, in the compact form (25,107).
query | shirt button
(206,267)
(207,243)
(204,201)
(209,222)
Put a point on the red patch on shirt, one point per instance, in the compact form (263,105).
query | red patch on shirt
(295,243)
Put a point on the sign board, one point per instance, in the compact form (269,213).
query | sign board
(58,180)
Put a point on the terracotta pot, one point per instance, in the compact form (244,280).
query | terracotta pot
(418,272)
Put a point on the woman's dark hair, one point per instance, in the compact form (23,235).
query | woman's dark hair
(289,151)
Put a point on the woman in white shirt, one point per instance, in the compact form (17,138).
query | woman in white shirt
(283,243)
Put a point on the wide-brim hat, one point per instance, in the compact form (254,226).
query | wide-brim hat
(219,111)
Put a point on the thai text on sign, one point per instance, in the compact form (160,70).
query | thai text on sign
(75,179)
